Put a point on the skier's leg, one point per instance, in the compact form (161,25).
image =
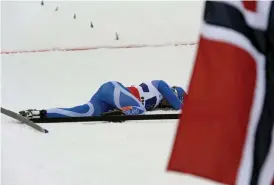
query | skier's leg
(77,111)
(94,107)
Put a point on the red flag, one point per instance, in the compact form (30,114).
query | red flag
(226,112)
(212,128)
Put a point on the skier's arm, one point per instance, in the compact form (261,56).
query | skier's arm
(169,95)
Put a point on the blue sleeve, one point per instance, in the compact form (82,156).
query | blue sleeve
(133,110)
(169,95)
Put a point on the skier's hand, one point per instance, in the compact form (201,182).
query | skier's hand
(164,104)
(115,112)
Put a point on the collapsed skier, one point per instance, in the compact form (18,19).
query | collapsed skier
(112,98)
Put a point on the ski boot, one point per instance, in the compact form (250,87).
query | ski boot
(33,113)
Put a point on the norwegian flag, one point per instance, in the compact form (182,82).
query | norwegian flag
(226,129)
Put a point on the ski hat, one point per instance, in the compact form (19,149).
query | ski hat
(179,92)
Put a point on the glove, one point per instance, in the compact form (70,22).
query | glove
(114,112)
(164,104)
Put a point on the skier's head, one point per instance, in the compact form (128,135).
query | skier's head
(179,91)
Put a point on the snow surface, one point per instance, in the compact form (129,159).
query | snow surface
(131,153)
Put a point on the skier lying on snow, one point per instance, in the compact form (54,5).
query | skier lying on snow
(113,98)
